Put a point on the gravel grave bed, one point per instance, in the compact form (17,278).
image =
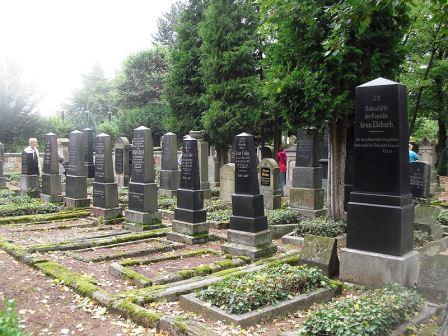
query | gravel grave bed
(162,268)
(46,308)
(54,225)
(59,236)
(95,252)
(98,270)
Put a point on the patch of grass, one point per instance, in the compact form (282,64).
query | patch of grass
(143,314)
(133,275)
(320,226)
(9,322)
(46,217)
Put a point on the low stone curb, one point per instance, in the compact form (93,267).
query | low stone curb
(219,225)
(280,230)
(190,302)
(290,239)
(426,313)
(178,326)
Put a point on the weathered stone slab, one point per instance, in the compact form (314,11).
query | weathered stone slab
(122,167)
(420,175)
(426,220)
(321,252)
(433,277)
(227,182)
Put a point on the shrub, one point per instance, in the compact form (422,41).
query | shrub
(123,195)
(215,191)
(28,208)
(9,323)
(167,203)
(282,216)
(443,217)
(320,226)
(215,204)
(372,314)
(243,293)
(219,215)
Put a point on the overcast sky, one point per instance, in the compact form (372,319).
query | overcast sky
(55,41)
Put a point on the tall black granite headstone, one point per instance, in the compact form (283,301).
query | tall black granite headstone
(142,213)
(307,194)
(51,179)
(29,178)
(189,223)
(420,179)
(88,152)
(169,172)
(2,160)
(380,212)
(122,172)
(249,234)
(105,190)
(76,180)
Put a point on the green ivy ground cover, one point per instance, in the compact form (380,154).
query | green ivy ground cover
(243,293)
(374,313)
(320,226)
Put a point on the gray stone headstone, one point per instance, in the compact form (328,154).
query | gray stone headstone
(227,182)
(249,234)
(428,154)
(63,145)
(269,179)
(420,175)
(189,223)
(51,179)
(213,171)
(105,190)
(290,164)
(203,161)
(29,179)
(88,152)
(307,195)
(433,277)
(426,219)
(323,162)
(321,252)
(2,160)
(142,213)
(169,172)
(76,180)
(122,161)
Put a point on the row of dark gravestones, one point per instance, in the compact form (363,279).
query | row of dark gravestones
(380,212)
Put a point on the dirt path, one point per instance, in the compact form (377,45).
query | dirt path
(47,308)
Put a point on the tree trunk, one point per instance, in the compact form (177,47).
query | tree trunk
(338,137)
(222,153)
(277,137)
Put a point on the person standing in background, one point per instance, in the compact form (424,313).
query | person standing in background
(32,148)
(413,156)
(281,160)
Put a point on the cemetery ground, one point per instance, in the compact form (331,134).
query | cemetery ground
(71,274)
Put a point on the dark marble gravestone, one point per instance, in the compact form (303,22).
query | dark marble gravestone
(29,178)
(142,213)
(51,179)
(307,194)
(323,162)
(122,161)
(105,190)
(380,215)
(2,160)
(248,234)
(189,223)
(420,179)
(169,172)
(88,152)
(203,161)
(76,181)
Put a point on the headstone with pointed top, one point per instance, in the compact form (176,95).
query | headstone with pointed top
(380,216)
(105,190)
(249,234)
(169,172)
(142,213)
(203,161)
(76,180)
(51,179)
(122,161)
(190,218)
(2,160)
(307,195)
(29,179)
(88,152)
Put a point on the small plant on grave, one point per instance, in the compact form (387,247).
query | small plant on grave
(9,323)
(443,217)
(13,177)
(242,293)
(100,220)
(421,238)
(123,195)
(374,313)
(285,204)
(320,226)
(28,207)
(219,216)
(215,192)
(167,203)
(215,204)
(282,216)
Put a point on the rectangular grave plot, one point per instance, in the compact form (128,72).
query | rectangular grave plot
(191,303)
(124,250)
(59,225)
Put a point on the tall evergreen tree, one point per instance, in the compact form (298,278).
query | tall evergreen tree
(230,65)
(184,87)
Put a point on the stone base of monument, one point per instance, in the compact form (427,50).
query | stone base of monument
(90,170)
(110,215)
(30,186)
(376,269)
(167,193)
(122,180)
(189,233)
(214,184)
(51,198)
(2,182)
(279,230)
(308,202)
(138,227)
(76,202)
(205,187)
(252,245)
(272,201)
(146,218)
